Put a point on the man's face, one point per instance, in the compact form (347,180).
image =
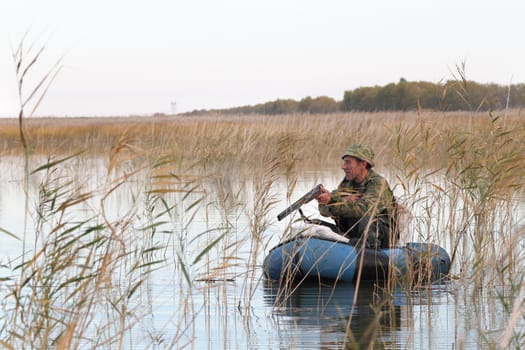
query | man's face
(355,169)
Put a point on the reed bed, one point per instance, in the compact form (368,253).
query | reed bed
(458,174)
(111,204)
(314,140)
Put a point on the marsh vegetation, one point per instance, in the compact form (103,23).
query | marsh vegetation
(124,216)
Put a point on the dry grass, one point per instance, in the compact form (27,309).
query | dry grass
(310,140)
(91,265)
(458,174)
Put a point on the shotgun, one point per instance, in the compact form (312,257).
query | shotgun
(314,192)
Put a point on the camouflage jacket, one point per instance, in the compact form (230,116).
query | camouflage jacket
(376,198)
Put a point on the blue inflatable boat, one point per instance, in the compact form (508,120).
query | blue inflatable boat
(328,259)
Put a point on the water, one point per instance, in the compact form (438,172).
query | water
(239,309)
(321,317)
(330,318)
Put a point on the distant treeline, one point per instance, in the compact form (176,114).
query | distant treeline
(404,95)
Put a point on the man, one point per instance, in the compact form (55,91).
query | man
(363,205)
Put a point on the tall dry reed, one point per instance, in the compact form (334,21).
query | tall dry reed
(459,174)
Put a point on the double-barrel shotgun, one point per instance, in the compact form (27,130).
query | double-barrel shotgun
(314,192)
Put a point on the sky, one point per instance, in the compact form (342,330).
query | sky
(130,57)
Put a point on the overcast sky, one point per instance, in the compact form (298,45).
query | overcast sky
(125,57)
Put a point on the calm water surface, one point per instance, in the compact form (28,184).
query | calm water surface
(247,312)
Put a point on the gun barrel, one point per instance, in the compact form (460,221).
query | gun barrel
(314,192)
(289,210)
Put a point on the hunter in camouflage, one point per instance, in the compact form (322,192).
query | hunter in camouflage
(363,205)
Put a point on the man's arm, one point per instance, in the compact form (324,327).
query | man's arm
(357,205)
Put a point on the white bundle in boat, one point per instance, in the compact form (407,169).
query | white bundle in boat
(317,231)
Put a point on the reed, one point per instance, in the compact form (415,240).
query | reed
(85,264)
(241,139)
(458,174)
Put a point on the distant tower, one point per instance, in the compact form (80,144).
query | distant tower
(173,107)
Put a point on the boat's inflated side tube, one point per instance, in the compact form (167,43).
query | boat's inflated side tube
(374,265)
(430,262)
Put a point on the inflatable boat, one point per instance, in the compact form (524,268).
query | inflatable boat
(326,256)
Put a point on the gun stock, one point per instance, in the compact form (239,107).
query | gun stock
(314,192)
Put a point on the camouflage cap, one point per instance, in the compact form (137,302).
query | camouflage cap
(362,152)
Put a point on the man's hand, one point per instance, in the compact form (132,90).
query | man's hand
(324,197)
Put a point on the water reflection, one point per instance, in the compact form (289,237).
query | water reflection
(233,315)
(334,317)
